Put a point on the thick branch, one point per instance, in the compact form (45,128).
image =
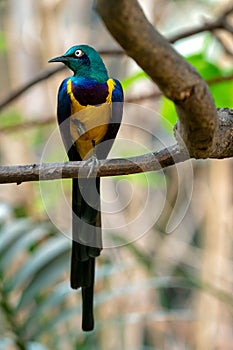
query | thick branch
(223,140)
(178,80)
(223,148)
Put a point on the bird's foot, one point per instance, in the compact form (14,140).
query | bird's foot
(93,161)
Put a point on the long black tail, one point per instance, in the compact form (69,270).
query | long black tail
(87,242)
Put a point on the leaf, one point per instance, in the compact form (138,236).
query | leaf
(222,94)
(44,255)
(60,294)
(57,296)
(22,244)
(50,324)
(11,232)
(45,277)
(205,68)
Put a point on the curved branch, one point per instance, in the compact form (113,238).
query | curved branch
(178,80)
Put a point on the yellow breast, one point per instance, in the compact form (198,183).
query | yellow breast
(89,124)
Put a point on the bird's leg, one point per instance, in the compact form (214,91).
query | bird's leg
(93,161)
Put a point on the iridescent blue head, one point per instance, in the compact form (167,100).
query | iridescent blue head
(85,62)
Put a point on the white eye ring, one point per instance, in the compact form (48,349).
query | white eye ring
(79,53)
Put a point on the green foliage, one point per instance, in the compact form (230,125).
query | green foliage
(10,118)
(2,43)
(35,302)
(132,79)
(36,306)
(222,91)
(32,260)
(222,94)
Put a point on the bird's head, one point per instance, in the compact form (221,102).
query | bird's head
(84,61)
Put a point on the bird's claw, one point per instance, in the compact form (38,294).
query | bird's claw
(93,162)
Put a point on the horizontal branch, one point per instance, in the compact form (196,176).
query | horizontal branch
(154,161)
(110,167)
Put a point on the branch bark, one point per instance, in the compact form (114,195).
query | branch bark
(207,132)
(223,148)
(178,80)
(219,23)
(50,171)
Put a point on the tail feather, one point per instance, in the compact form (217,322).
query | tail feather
(87,296)
(87,243)
(81,271)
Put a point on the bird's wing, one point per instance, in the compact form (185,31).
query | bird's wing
(117,102)
(63,116)
(117,99)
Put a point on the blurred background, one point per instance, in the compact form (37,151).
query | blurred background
(164,279)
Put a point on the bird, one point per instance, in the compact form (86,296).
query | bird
(89,115)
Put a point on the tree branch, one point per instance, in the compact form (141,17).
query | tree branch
(219,23)
(223,138)
(178,80)
(223,148)
(112,167)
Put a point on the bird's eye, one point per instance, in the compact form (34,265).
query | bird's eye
(78,53)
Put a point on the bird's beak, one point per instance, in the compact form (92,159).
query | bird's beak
(58,59)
